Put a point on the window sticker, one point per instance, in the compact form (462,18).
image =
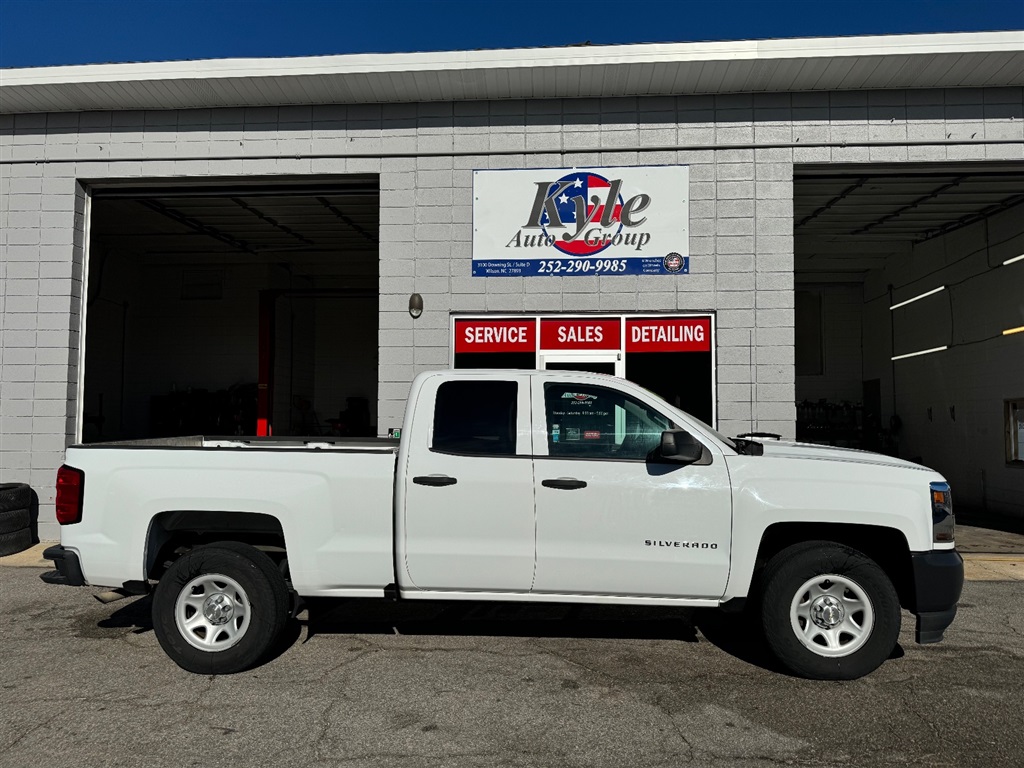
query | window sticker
(592,434)
(579,397)
(572,433)
(554,433)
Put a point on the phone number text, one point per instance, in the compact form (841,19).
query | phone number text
(581,266)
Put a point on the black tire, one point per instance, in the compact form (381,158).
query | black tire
(14,542)
(14,520)
(860,600)
(15,496)
(259,608)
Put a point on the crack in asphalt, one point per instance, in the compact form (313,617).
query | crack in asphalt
(325,725)
(662,707)
(32,730)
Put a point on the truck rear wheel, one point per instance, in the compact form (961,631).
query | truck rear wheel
(828,612)
(220,608)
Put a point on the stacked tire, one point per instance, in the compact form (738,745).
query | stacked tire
(15,518)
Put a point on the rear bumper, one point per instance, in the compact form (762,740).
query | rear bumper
(938,581)
(68,567)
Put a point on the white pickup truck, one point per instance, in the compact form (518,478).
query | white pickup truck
(516,485)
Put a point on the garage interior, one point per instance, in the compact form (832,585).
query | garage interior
(232,309)
(907,281)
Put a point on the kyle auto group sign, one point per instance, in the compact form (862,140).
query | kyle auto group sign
(565,222)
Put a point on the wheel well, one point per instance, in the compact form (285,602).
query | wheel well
(173,533)
(886,546)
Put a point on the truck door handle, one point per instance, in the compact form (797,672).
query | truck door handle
(564,483)
(434,480)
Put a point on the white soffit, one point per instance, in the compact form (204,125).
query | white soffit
(977,59)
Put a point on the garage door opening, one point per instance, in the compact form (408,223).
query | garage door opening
(907,279)
(232,310)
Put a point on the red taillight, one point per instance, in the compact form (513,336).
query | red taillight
(70,486)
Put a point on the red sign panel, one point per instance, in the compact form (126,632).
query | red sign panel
(652,334)
(579,333)
(496,335)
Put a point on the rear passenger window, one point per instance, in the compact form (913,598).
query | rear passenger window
(476,417)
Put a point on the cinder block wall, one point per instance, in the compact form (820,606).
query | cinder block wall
(741,150)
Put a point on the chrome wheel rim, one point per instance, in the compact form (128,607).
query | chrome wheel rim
(831,615)
(212,612)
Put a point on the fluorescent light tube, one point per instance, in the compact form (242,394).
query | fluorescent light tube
(1015,258)
(1008,331)
(917,298)
(922,352)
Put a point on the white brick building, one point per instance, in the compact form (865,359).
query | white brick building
(223,246)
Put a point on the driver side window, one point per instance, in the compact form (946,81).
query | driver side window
(592,422)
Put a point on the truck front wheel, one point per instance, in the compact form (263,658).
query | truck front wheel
(828,612)
(220,608)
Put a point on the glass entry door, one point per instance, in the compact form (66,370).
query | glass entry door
(589,362)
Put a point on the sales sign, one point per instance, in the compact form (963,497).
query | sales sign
(581,221)
(577,333)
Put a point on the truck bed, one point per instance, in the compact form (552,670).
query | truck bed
(332,498)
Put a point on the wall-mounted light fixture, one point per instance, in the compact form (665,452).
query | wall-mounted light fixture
(415,305)
(918,298)
(915,354)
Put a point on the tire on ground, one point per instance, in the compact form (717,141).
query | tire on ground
(262,586)
(783,592)
(15,541)
(15,496)
(14,520)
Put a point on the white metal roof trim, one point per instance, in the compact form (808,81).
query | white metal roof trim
(899,61)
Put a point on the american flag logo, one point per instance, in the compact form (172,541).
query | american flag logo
(592,192)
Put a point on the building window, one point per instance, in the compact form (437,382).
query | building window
(476,418)
(1014,412)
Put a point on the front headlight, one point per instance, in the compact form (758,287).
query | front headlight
(943,522)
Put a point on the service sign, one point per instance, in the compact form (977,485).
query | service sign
(496,335)
(586,221)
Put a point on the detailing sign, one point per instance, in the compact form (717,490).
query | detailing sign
(564,222)
(668,335)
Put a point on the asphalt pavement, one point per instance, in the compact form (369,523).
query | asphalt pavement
(380,684)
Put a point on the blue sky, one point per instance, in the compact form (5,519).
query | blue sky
(51,32)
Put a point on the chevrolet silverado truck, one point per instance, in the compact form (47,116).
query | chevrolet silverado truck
(535,486)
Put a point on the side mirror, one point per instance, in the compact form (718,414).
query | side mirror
(680,446)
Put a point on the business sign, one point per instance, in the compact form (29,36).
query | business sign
(596,221)
(496,335)
(580,333)
(669,335)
